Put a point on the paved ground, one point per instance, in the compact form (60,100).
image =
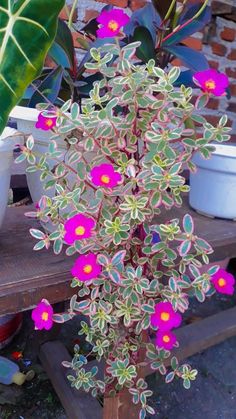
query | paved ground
(212,395)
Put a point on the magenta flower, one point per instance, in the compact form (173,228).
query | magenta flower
(165,339)
(46,120)
(77,228)
(165,318)
(112,21)
(86,267)
(223,282)
(211,81)
(105,175)
(42,315)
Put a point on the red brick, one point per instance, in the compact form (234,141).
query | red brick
(231,107)
(231,72)
(76,36)
(214,64)
(232,88)
(137,4)
(176,62)
(213,104)
(63,14)
(90,14)
(214,120)
(228,34)
(194,43)
(118,3)
(233,138)
(232,55)
(218,49)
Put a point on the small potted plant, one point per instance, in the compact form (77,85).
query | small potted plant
(132,274)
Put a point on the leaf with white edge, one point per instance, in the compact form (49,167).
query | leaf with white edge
(40,245)
(118,257)
(213,270)
(184,247)
(102,260)
(62,317)
(26,34)
(82,305)
(202,101)
(187,384)
(37,234)
(170,377)
(194,271)
(203,245)
(188,224)
(115,276)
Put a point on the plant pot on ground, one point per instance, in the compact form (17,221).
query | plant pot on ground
(213,186)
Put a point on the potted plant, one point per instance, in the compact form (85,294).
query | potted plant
(128,285)
(66,80)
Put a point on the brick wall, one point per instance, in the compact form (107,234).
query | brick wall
(218,43)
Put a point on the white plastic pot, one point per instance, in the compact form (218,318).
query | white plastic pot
(213,186)
(26,119)
(8,140)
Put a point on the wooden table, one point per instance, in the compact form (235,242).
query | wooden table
(27,276)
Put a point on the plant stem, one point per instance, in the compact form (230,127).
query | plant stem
(70,22)
(188,21)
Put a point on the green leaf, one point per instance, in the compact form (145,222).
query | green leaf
(27,29)
(202,101)
(170,377)
(37,234)
(184,247)
(188,224)
(146,51)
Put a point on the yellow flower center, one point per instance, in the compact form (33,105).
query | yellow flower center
(79,231)
(113,25)
(49,122)
(210,84)
(165,316)
(166,339)
(221,282)
(105,179)
(45,316)
(87,269)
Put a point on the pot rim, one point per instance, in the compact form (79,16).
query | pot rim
(224,150)
(24,113)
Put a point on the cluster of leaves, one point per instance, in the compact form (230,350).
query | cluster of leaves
(161,29)
(148,130)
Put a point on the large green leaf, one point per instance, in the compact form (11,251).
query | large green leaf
(27,29)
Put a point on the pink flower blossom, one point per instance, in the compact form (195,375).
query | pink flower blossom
(78,227)
(165,339)
(46,120)
(223,282)
(42,315)
(211,81)
(105,175)
(86,267)
(112,21)
(165,318)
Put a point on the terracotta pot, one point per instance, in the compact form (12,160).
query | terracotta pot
(10,325)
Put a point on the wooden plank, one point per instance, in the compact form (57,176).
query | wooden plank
(220,233)
(26,276)
(203,334)
(77,404)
